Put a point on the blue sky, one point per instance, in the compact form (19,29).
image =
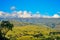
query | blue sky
(49,7)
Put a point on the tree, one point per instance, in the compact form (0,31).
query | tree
(5,25)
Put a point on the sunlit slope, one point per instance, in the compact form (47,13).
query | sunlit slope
(28,30)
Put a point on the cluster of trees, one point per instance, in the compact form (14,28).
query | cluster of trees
(5,26)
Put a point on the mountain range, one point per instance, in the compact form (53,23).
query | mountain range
(50,22)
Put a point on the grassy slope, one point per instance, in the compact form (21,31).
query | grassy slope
(28,30)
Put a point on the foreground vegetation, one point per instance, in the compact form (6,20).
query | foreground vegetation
(28,31)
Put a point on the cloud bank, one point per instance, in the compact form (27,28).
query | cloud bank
(25,14)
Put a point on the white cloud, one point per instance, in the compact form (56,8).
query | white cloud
(19,14)
(25,14)
(56,16)
(36,15)
(1,12)
(46,16)
(13,8)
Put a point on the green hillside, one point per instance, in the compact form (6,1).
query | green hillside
(27,31)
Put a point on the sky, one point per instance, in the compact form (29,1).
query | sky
(43,7)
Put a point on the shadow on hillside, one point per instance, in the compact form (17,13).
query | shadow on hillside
(3,38)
